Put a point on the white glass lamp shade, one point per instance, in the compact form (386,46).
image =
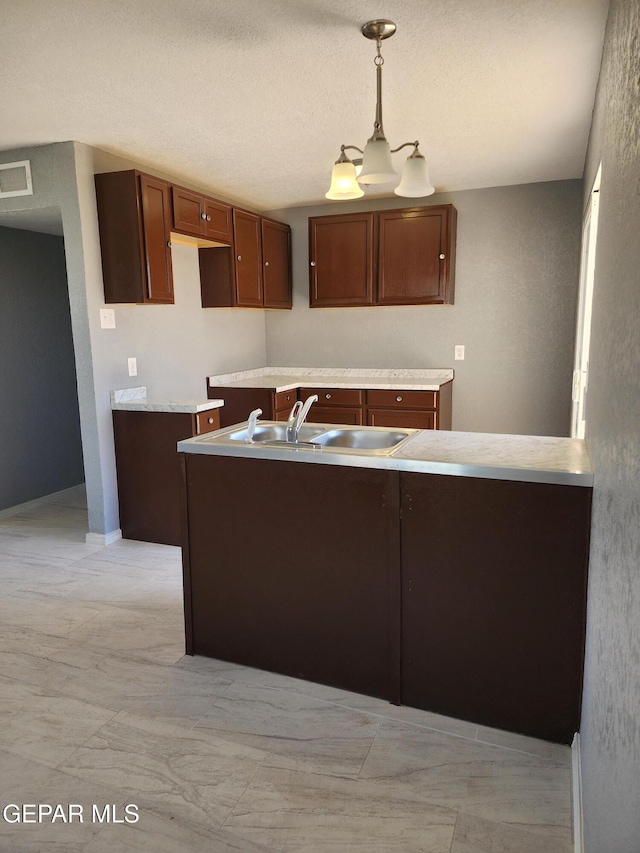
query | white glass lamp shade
(343,183)
(415,181)
(377,167)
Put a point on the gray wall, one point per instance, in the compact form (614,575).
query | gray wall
(610,731)
(40,449)
(516,288)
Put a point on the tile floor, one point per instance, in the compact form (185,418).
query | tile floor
(98,705)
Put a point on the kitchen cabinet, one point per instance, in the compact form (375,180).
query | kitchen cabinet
(134,219)
(296,596)
(392,257)
(147,468)
(199,216)
(494,581)
(255,272)
(335,405)
(417,409)
(276,263)
(454,594)
(391,408)
(341,260)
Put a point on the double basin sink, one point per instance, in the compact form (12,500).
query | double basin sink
(371,441)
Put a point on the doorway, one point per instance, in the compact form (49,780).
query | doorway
(585,304)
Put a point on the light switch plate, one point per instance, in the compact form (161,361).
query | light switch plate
(107,318)
(458,353)
(133,366)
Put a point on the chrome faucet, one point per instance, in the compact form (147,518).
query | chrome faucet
(292,432)
(297,417)
(252,423)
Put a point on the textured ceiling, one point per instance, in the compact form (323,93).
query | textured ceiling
(252,98)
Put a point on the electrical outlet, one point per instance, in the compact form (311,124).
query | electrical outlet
(458,353)
(107,318)
(133,366)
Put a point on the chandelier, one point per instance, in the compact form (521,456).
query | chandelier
(376,165)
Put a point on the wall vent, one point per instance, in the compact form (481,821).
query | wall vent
(15,179)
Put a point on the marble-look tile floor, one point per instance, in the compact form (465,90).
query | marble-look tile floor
(99,705)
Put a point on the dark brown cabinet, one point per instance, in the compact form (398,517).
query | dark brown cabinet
(341,260)
(457,595)
(494,577)
(255,272)
(147,467)
(134,219)
(335,405)
(415,409)
(393,257)
(199,216)
(353,406)
(276,264)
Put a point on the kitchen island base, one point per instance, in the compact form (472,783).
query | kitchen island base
(458,595)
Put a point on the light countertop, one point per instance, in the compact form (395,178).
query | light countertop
(525,458)
(136,400)
(286,378)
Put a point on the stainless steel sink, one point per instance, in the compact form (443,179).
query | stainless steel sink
(274,432)
(318,438)
(367,439)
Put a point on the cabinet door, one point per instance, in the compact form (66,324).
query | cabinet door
(187,212)
(218,224)
(413,256)
(248,259)
(335,415)
(410,418)
(341,260)
(276,264)
(493,601)
(156,227)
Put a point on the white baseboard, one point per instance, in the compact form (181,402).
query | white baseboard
(103,538)
(576,786)
(45,499)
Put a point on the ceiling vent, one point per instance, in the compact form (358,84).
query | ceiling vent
(15,179)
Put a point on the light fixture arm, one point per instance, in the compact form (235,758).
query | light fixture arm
(400,147)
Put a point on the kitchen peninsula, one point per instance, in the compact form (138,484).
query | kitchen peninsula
(449,574)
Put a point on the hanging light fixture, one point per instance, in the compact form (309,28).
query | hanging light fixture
(377,167)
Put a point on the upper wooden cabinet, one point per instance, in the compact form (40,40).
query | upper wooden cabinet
(134,218)
(391,257)
(255,273)
(199,216)
(248,259)
(341,256)
(276,264)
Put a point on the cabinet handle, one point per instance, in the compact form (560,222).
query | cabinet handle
(442,257)
(266,263)
(327,396)
(203,216)
(210,420)
(208,218)
(239,257)
(398,399)
(312,264)
(169,243)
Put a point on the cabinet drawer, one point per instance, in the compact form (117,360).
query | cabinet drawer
(335,396)
(208,421)
(285,399)
(409,418)
(335,415)
(402,399)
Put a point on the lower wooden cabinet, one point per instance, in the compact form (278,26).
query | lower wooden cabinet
(458,595)
(351,406)
(147,469)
